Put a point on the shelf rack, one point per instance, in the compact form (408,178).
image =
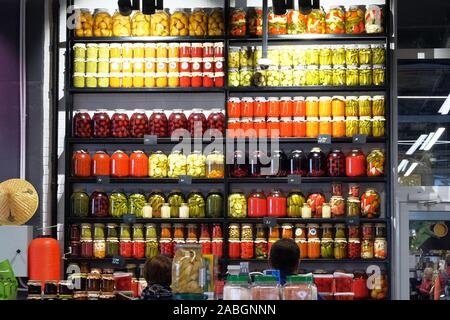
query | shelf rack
(72,143)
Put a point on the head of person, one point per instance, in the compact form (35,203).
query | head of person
(428,273)
(285,256)
(158,270)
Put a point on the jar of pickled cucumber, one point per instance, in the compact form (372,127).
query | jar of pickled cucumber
(312,56)
(196,204)
(339,75)
(214,204)
(325,75)
(351,54)
(378,124)
(196,164)
(177,164)
(233,77)
(237,204)
(351,126)
(245,76)
(295,201)
(273,76)
(378,53)
(351,106)
(299,75)
(365,75)
(325,56)
(157,165)
(352,75)
(378,74)
(364,106)
(156,201)
(286,77)
(175,199)
(338,55)
(365,54)
(365,126)
(378,106)
(233,57)
(312,75)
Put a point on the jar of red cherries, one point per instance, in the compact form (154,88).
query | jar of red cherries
(197,123)
(278,164)
(317,163)
(82,124)
(102,124)
(298,163)
(177,120)
(216,120)
(138,124)
(336,163)
(239,168)
(158,124)
(120,124)
(355,163)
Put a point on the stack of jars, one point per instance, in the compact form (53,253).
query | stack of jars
(299,117)
(296,66)
(156,205)
(157,165)
(139,241)
(120,125)
(243,245)
(148,65)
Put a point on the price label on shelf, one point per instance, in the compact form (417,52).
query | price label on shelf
(359,138)
(294,179)
(103,179)
(324,139)
(269,222)
(118,261)
(354,221)
(129,218)
(150,139)
(185,180)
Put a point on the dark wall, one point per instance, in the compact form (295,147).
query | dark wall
(9,91)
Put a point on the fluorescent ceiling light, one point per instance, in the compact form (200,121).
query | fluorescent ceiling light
(430,135)
(402,165)
(435,138)
(445,108)
(411,169)
(416,144)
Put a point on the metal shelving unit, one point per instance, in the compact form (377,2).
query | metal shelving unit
(71,143)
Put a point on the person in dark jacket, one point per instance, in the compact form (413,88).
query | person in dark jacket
(158,274)
(285,256)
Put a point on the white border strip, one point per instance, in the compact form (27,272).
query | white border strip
(23,88)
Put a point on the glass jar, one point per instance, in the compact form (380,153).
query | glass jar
(233,77)
(156,200)
(340,249)
(166,231)
(239,168)
(335,20)
(140,25)
(367,231)
(136,203)
(353,207)
(160,24)
(175,199)
(337,204)
(177,120)
(298,163)
(177,164)
(339,75)
(365,75)
(179,23)
(158,165)
(125,244)
(276,204)
(314,247)
(353,231)
(158,124)
(112,240)
(317,163)
(325,126)
(101,164)
(120,124)
(85,23)
(99,204)
(138,124)
(354,248)
(375,163)
(287,231)
(197,123)
(138,241)
(380,248)
(256,164)
(354,20)
(234,231)
(118,204)
(370,204)
(178,231)
(192,232)
(352,75)
(312,127)
(196,164)
(216,120)
(355,164)
(312,75)
(81,164)
(82,124)
(378,75)
(306,211)
(277,23)
(79,204)
(336,163)
(367,249)
(315,202)
(316,22)
(237,204)
(353,190)
(378,126)
(378,54)
(300,287)
(295,202)
(278,164)
(120,164)
(325,76)
(196,203)
(216,23)
(214,204)
(257,204)
(365,126)
(351,126)
(378,106)
(215,165)
(326,248)
(101,123)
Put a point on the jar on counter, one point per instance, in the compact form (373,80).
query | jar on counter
(355,164)
(196,203)
(215,165)
(317,163)
(120,124)
(99,204)
(295,202)
(257,204)
(276,204)
(214,204)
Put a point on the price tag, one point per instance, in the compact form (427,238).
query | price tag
(359,138)
(353,221)
(294,179)
(103,179)
(269,222)
(324,139)
(185,180)
(150,139)
(129,218)
(118,261)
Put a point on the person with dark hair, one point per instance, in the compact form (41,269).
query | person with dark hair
(285,256)
(158,274)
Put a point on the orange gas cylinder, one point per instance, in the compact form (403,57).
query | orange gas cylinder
(44,259)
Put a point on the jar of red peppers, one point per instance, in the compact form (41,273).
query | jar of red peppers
(177,120)
(197,123)
(354,248)
(315,202)
(81,163)
(238,24)
(217,231)
(82,124)
(257,204)
(125,244)
(239,168)
(120,124)
(158,124)
(336,163)
(101,164)
(138,164)
(247,247)
(317,163)
(298,163)
(120,164)
(234,249)
(99,204)
(278,164)
(102,124)
(355,164)
(216,120)
(276,204)
(138,124)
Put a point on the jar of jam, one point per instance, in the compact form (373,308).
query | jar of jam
(138,124)
(239,168)
(120,164)
(102,124)
(81,163)
(256,161)
(354,248)
(367,231)
(355,164)
(257,204)
(298,163)
(82,124)
(158,124)
(287,231)
(276,204)
(216,120)
(317,163)
(138,164)
(278,164)
(99,204)
(101,164)
(197,123)
(273,107)
(120,124)
(177,120)
(336,163)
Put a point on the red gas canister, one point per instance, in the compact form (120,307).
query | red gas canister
(44,259)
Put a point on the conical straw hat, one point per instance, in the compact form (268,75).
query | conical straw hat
(18,202)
